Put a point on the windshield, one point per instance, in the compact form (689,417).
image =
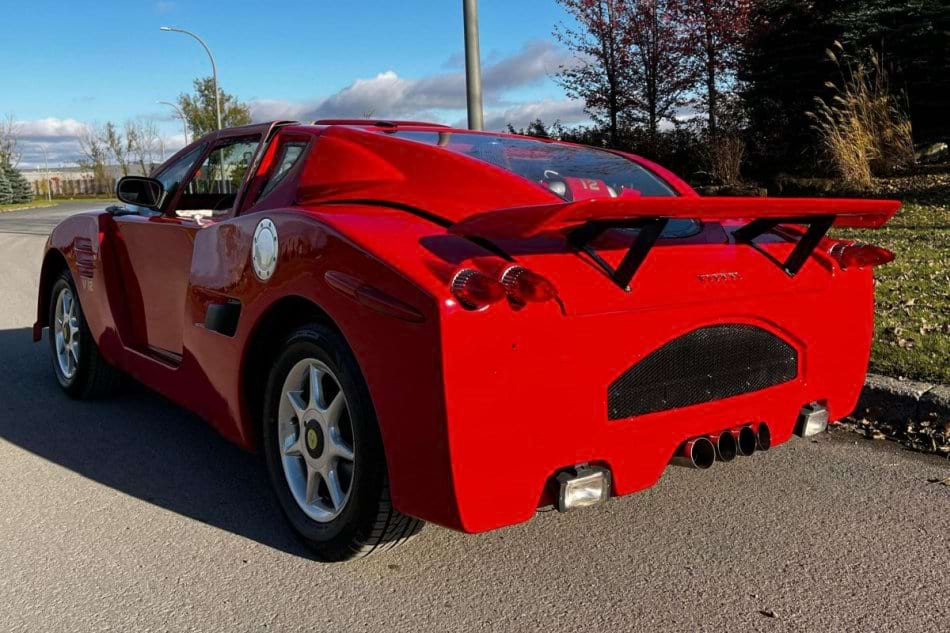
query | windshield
(573,173)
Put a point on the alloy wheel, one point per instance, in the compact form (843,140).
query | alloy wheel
(315,438)
(66,333)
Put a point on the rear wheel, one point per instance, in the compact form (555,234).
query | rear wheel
(79,368)
(324,453)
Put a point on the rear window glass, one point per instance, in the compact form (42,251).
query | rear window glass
(572,173)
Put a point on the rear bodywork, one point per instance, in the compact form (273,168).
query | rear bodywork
(480,409)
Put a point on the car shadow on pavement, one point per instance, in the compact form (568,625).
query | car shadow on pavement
(139,444)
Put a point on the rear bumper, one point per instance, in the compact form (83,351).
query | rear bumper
(526,393)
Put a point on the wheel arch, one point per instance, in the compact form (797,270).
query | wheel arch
(276,322)
(54,263)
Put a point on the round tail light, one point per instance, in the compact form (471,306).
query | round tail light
(476,290)
(525,286)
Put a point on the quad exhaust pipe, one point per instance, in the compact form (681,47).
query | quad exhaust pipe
(698,452)
(702,452)
(746,440)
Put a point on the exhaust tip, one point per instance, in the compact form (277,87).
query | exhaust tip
(746,440)
(698,453)
(726,448)
(764,437)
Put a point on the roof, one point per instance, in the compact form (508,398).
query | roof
(377,123)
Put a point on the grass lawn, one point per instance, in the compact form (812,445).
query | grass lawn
(912,329)
(41,203)
(19,206)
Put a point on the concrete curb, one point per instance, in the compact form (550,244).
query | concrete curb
(915,413)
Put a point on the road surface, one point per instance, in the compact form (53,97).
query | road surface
(131,515)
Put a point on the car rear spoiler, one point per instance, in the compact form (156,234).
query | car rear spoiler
(585,220)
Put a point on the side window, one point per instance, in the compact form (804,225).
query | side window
(215,185)
(172,176)
(287,157)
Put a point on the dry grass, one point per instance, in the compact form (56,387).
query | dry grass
(725,156)
(864,128)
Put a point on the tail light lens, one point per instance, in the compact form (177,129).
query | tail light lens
(525,286)
(476,290)
(859,255)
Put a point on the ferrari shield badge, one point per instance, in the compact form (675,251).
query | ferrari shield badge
(264,251)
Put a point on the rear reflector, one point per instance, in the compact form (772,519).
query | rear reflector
(859,255)
(582,487)
(476,290)
(525,286)
(812,420)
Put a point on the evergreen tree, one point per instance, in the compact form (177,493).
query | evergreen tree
(6,192)
(785,67)
(20,188)
(912,38)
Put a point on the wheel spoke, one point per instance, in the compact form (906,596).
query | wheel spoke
(339,446)
(292,446)
(297,403)
(315,376)
(334,412)
(337,496)
(312,494)
(74,352)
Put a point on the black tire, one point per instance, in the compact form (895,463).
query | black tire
(93,377)
(368,523)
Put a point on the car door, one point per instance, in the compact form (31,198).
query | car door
(157,247)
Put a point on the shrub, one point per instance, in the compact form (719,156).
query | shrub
(863,128)
(725,155)
(6,191)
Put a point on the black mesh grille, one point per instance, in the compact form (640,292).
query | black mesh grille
(708,364)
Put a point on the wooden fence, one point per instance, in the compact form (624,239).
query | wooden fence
(76,186)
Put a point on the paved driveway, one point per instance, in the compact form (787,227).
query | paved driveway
(130,515)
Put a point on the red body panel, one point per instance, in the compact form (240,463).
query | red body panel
(478,409)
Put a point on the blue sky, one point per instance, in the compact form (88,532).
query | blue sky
(76,63)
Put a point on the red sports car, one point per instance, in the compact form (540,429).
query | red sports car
(416,323)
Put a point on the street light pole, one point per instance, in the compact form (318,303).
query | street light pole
(214,67)
(473,66)
(181,115)
(49,182)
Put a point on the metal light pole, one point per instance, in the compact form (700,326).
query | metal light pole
(214,67)
(49,182)
(473,66)
(181,115)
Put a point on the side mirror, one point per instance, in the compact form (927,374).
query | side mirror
(142,192)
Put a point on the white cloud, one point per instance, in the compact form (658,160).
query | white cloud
(387,95)
(439,97)
(49,128)
(164,8)
(567,111)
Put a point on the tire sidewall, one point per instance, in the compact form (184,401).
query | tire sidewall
(72,386)
(331,539)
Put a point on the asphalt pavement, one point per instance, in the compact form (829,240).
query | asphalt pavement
(132,515)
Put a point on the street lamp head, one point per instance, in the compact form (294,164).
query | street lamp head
(164,28)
